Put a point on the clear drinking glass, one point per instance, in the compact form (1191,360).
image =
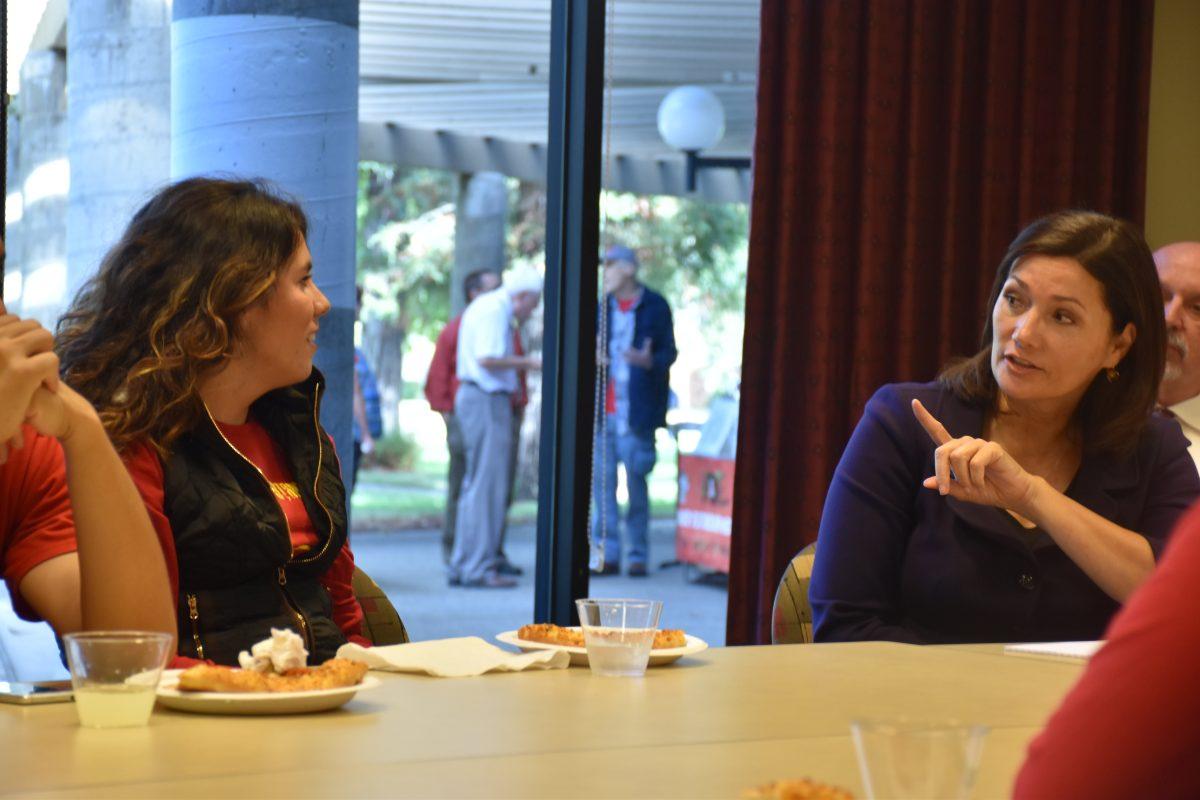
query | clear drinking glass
(115,675)
(619,634)
(917,758)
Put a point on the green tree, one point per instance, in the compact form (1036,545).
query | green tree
(405,250)
(692,252)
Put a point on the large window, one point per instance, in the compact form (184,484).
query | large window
(456,150)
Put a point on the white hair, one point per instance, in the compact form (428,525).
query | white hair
(523,279)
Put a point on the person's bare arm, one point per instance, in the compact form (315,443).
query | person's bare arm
(118,579)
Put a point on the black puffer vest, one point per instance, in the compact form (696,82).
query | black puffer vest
(238,577)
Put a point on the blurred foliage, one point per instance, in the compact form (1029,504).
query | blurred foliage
(396,451)
(406,244)
(692,252)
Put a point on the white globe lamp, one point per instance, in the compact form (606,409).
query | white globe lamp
(691,118)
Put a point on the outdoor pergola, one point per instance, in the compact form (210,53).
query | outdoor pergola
(463,86)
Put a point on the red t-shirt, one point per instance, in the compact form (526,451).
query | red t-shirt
(1129,727)
(36,523)
(254,443)
(441,383)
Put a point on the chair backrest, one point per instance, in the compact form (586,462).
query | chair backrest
(791,616)
(381,622)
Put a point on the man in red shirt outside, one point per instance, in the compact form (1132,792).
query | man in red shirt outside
(441,384)
(76,546)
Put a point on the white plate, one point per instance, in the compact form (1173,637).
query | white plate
(255,702)
(579,654)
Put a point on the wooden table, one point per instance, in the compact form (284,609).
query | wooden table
(708,726)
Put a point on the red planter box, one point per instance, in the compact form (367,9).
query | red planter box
(704,518)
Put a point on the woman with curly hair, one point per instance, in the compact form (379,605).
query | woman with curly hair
(195,342)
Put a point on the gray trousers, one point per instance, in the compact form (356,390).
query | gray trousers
(454,481)
(458,468)
(486,422)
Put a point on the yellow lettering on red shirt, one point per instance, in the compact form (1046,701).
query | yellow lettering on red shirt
(285,491)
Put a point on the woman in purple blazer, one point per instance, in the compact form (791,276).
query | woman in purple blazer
(1025,494)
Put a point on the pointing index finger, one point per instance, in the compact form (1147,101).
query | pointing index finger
(934,428)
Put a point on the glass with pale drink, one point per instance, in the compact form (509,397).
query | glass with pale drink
(619,634)
(902,758)
(115,675)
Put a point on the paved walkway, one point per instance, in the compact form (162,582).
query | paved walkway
(409,568)
(408,565)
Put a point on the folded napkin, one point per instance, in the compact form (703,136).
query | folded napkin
(452,658)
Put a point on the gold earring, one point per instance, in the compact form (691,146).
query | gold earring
(1112,374)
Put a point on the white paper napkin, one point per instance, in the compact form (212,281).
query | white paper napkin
(452,658)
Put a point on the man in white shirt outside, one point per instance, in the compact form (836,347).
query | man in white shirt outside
(487,374)
(1179,273)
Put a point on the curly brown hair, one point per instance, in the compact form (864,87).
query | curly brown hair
(162,311)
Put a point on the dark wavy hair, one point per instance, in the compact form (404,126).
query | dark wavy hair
(1111,415)
(161,312)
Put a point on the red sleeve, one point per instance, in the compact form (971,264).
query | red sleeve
(347,613)
(442,381)
(520,398)
(146,470)
(1128,728)
(36,522)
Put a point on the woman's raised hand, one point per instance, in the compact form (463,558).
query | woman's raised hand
(975,470)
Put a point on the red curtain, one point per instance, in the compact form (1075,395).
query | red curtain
(901,144)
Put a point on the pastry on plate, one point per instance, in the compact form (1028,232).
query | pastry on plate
(276,664)
(548,633)
(333,674)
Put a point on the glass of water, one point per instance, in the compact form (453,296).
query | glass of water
(619,634)
(902,758)
(115,675)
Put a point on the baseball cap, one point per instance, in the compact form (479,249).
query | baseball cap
(619,252)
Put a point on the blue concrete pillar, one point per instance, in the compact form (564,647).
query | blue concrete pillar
(118,121)
(269,88)
(45,180)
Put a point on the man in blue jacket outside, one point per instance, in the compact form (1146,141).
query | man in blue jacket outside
(641,349)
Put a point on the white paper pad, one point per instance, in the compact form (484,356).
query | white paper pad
(452,658)
(1075,651)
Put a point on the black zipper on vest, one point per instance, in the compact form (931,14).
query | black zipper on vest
(282,575)
(194,616)
(261,474)
(287,596)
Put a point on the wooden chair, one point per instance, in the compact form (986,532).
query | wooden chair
(791,616)
(381,622)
